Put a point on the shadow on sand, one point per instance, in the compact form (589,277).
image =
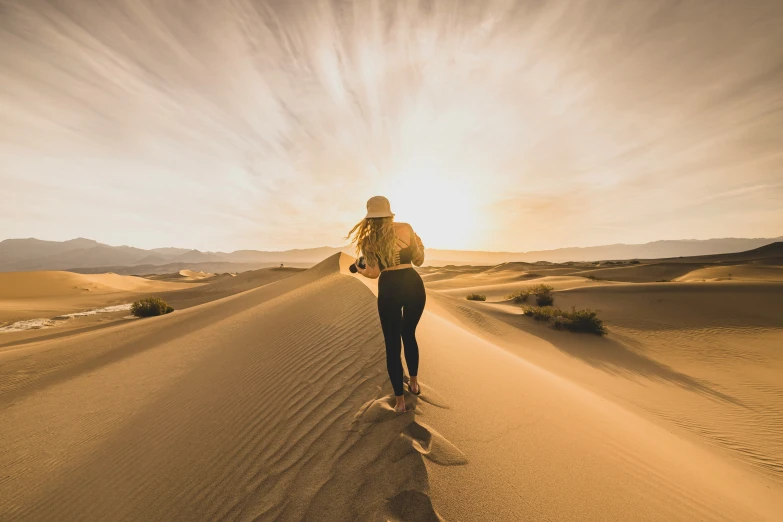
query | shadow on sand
(612,355)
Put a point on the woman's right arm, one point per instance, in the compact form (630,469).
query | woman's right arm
(418,251)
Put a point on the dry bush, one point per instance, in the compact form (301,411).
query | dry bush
(149,307)
(585,320)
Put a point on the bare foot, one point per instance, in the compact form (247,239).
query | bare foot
(413,385)
(400,406)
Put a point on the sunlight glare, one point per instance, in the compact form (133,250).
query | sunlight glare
(443,212)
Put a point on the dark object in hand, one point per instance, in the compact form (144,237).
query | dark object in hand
(360,263)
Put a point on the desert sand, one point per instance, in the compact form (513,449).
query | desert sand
(49,304)
(25,295)
(273,403)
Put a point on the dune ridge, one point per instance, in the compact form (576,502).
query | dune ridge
(34,295)
(214,421)
(700,359)
(47,298)
(274,404)
(29,285)
(529,434)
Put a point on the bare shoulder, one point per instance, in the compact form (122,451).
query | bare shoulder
(403,229)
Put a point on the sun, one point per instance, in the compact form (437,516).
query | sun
(445,213)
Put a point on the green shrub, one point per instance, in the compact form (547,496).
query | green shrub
(476,297)
(520,296)
(150,307)
(585,320)
(539,314)
(541,289)
(542,292)
(543,295)
(544,299)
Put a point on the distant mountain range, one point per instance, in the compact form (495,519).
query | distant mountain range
(81,254)
(655,250)
(87,255)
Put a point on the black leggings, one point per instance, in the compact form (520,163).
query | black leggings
(401,299)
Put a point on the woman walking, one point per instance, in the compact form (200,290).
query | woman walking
(390,250)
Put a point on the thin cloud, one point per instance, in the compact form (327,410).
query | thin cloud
(256,124)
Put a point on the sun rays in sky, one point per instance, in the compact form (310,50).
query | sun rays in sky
(496,125)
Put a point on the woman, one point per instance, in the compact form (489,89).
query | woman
(390,250)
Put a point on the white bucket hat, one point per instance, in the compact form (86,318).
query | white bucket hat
(378,207)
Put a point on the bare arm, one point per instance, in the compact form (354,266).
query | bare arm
(418,250)
(373,271)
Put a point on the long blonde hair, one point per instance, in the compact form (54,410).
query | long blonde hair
(374,237)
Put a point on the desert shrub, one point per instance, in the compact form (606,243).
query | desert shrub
(539,314)
(476,297)
(593,278)
(150,307)
(541,289)
(520,296)
(544,295)
(586,320)
(544,299)
(542,292)
(635,262)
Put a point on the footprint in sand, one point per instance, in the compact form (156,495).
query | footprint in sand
(410,505)
(382,409)
(433,445)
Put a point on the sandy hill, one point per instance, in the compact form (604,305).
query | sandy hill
(223,285)
(166,270)
(45,294)
(769,254)
(54,284)
(273,404)
(42,305)
(762,264)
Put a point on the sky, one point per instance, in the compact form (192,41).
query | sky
(490,125)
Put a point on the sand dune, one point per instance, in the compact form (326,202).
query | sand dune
(190,274)
(29,285)
(224,286)
(67,310)
(700,359)
(185,275)
(499,291)
(735,273)
(274,404)
(542,448)
(237,409)
(642,273)
(33,295)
